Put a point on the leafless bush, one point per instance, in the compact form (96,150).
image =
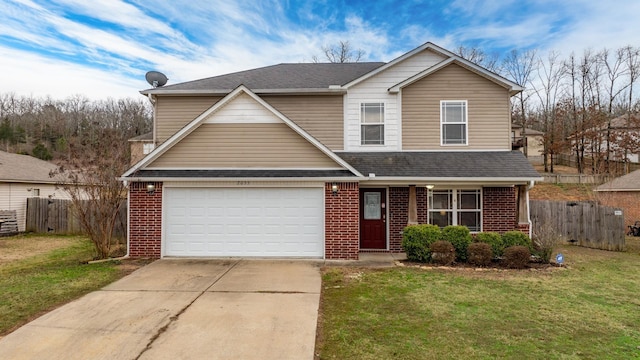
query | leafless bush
(545,239)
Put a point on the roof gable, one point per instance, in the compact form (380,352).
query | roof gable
(451,58)
(512,87)
(266,114)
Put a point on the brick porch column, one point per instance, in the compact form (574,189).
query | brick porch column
(145,220)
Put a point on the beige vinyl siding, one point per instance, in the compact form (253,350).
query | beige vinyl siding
(230,145)
(320,116)
(174,112)
(488,111)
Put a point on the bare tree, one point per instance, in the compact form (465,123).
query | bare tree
(91,178)
(340,53)
(479,57)
(547,89)
(519,67)
(615,71)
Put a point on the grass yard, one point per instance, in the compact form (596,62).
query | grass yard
(589,309)
(39,273)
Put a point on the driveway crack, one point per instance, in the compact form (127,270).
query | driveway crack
(175,317)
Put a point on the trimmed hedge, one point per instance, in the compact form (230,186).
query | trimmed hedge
(516,238)
(417,239)
(460,237)
(516,257)
(480,254)
(443,253)
(494,240)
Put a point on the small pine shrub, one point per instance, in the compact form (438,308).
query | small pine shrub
(516,257)
(516,238)
(494,240)
(442,253)
(460,238)
(480,254)
(416,240)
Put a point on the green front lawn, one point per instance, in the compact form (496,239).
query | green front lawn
(39,273)
(588,310)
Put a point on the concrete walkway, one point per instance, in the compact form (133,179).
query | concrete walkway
(184,309)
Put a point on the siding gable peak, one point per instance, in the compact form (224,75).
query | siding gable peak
(265,114)
(511,86)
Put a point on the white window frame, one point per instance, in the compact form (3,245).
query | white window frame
(465,122)
(454,206)
(147,148)
(381,121)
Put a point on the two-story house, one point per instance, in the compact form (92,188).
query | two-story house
(327,160)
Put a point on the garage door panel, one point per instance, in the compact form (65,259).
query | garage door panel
(244,222)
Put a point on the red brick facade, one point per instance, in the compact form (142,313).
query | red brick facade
(398,215)
(145,220)
(628,201)
(342,218)
(342,221)
(499,209)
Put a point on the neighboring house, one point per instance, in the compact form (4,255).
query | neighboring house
(327,160)
(622,192)
(140,146)
(22,177)
(532,139)
(623,135)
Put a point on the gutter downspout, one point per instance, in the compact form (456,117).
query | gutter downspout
(529,187)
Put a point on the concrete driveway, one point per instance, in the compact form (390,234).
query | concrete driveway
(184,309)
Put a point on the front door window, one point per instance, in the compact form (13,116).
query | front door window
(372,210)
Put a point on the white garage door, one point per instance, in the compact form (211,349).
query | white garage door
(261,222)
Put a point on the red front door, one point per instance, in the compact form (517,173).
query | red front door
(373,219)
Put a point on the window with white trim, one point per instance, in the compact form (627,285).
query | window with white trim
(147,148)
(453,122)
(456,207)
(372,124)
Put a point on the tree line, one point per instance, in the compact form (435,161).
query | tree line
(49,128)
(587,104)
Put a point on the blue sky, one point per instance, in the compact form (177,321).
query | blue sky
(103,48)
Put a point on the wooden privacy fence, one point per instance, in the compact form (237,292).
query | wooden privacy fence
(57,217)
(585,223)
(575,178)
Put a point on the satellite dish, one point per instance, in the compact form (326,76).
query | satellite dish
(156,78)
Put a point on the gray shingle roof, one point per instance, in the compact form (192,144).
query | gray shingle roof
(239,173)
(629,182)
(275,77)
(144,137)
(24,168)
(450,164)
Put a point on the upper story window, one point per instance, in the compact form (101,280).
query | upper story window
(372,124)
(453,122)
(147,148)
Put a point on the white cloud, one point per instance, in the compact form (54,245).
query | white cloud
(196,39)
(38,76)
(599,25)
